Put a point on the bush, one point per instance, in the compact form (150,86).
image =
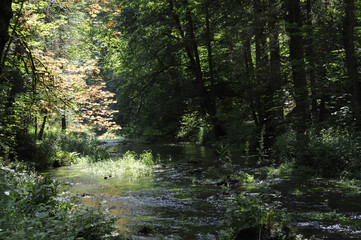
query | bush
(83,144)
(34,207)
(249,218)
(330,152)
(39,153)
(243,133)
(284,147)
(335,152)
(59,149)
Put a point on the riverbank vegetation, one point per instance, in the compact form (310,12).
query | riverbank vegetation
(277,80)
(37,207)
(130,165)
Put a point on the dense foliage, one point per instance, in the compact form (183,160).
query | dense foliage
(36,207)
(249,218)
(185,70)
(199,70)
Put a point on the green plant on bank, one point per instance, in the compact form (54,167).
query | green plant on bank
(336,152)
(330,217)
(291,168)
(330,152)
(84,144)
(58,148)
(224,153)
(34,207)
(129,165)
(248,218)
(353,186)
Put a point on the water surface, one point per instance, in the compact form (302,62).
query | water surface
(186,199)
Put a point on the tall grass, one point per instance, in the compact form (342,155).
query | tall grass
(129,165)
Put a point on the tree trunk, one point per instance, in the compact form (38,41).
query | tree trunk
(261,60)
(36,126)
(41,132)
(250,77)
(268,64)
(298,69)
(274,103)
(209,39)
(219,130)
(351,60)
(312,62)
(63,122)
(5,16)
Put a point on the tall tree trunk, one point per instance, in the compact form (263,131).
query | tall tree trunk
(298,69)
(63,119)
(5,16)
(311,59)
(274,103)
(250,77)
(268,69)
(219,130)
(42,129)
(261,60)
(209,39)
(351,60)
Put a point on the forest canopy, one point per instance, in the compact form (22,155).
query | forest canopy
(190,70)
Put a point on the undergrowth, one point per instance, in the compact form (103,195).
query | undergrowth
(34,207)
(59,149)
(249,218)
(331,152)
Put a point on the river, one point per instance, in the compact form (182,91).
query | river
(186,198)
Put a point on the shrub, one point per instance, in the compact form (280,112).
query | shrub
(336,151)
(83,144)
(59,149)
(284,146)
(30,150)
(243,133)
(248,218)
(329,152)
(33,207)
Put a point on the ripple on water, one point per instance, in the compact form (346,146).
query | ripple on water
(329,231)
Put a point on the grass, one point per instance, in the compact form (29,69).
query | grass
(130,165)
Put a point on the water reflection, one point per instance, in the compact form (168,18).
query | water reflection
(168,203)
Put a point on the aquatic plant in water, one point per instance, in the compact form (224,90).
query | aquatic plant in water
(130,165)
(248,217)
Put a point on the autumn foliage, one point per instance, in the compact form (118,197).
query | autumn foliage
(63,86)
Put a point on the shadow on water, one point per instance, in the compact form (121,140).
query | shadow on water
(183,200)
(321,208)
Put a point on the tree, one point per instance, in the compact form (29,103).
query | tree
(53,75)
(351,59)
(296,47)
(192,50)
(5,16)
